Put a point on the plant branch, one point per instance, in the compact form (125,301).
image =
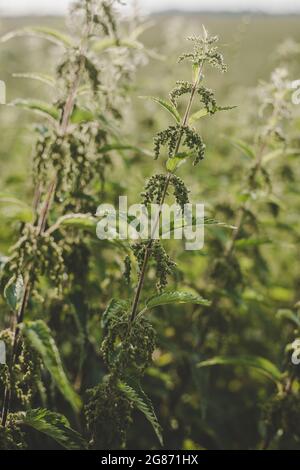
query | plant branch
(42,219)
(149,245)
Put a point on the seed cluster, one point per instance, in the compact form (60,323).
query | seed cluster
(77,159)
(93,73)
(207,97)
(205,52)
(154,189)
(194,142)
(169,137)
(41,154)
(127,269)
(108,415)
(259,178)
(164,265)
(11,436)
(127,351)
(174,134)
(40,254)
(70,67)
(100,14)
(182,87)
(181,193)
(275,106)
(139,250)
(25,375)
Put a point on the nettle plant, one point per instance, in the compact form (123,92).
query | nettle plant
(241,275)
(70,161)
(129,337)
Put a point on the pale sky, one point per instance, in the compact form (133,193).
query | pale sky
(28,7)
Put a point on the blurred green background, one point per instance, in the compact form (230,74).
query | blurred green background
(211,409)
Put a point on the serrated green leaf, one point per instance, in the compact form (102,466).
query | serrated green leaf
(175,297)
(53,425)
(13,292)
(115,307)
(82,221)
(104,44)
(110,147)
(50,34)
(13,208)
(166,105)
(168,229)
(140,400)
(262,365)
(8,199)
(41,77)
(174,163)
(198,115)
(243,147)
(278,153)
(81,115)
(85,222)
(39,107)
(40,338)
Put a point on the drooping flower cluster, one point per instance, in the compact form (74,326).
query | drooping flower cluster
(108,415)
(101,14)
(25,375)
(155,187)
(207,96)
(182,88)
(164,265)
(40,254)
(77,158)
(174,134)
(127,269)
(127,352)
(11,436)
(181,193)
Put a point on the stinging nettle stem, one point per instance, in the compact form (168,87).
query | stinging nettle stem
(42,219)
(149,246)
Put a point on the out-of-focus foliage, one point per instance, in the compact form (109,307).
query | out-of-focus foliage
(221,375)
